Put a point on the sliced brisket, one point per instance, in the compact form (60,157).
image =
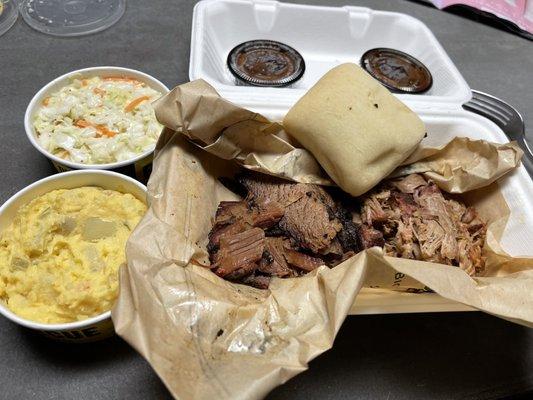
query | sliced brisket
(281,229)
(302,261)
(237,216)
(309,216)
(239,253)
(273,261)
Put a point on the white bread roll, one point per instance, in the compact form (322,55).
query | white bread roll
(356,129)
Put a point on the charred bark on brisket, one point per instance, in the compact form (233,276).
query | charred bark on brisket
(303,228)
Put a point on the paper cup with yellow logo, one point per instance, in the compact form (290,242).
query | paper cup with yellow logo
(100,326)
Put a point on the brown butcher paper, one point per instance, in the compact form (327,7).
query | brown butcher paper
(209,338)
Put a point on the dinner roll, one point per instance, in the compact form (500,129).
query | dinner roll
(356,129)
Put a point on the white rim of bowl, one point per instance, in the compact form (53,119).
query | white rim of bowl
(5,311)
(28,126)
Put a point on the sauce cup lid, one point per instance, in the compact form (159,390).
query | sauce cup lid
(265,63)
(397,71)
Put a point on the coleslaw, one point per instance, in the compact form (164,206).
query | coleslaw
(98,120)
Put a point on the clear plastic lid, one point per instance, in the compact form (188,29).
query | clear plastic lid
(71,17)
(8,15)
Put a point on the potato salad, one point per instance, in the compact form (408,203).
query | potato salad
(60,256)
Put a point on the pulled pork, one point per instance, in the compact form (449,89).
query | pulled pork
(414,220)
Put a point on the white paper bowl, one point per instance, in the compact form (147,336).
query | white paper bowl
(100,326)
(62,165)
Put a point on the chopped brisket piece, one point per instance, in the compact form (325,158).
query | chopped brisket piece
(273,261)
(262,215)
(349,236)
(229,219)
(239,252)
(307,222)
(237,216)
(302,261)
(229,211)
(275,231)
(267,215)
(265,188)
(257,281)
(334,250)
(242,272)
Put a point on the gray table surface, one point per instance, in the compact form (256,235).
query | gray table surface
(414,356)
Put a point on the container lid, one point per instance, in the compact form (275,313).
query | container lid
(397,71)
(8,15)
(71,17)
(265,63)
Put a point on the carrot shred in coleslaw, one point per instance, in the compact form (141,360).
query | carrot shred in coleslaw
(131,106)
(123,79)
(102,129)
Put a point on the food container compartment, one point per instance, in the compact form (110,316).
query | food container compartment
(100,326)
(139,167)
(324,36)
(516,187)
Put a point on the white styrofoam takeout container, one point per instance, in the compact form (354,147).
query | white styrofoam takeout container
(138,162)
(326,37)
(100,326)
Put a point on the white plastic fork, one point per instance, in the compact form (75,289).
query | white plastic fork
(507,118)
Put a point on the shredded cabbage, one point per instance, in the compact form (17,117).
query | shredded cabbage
(98,120)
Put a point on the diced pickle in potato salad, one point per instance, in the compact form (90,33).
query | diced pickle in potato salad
(98,120)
